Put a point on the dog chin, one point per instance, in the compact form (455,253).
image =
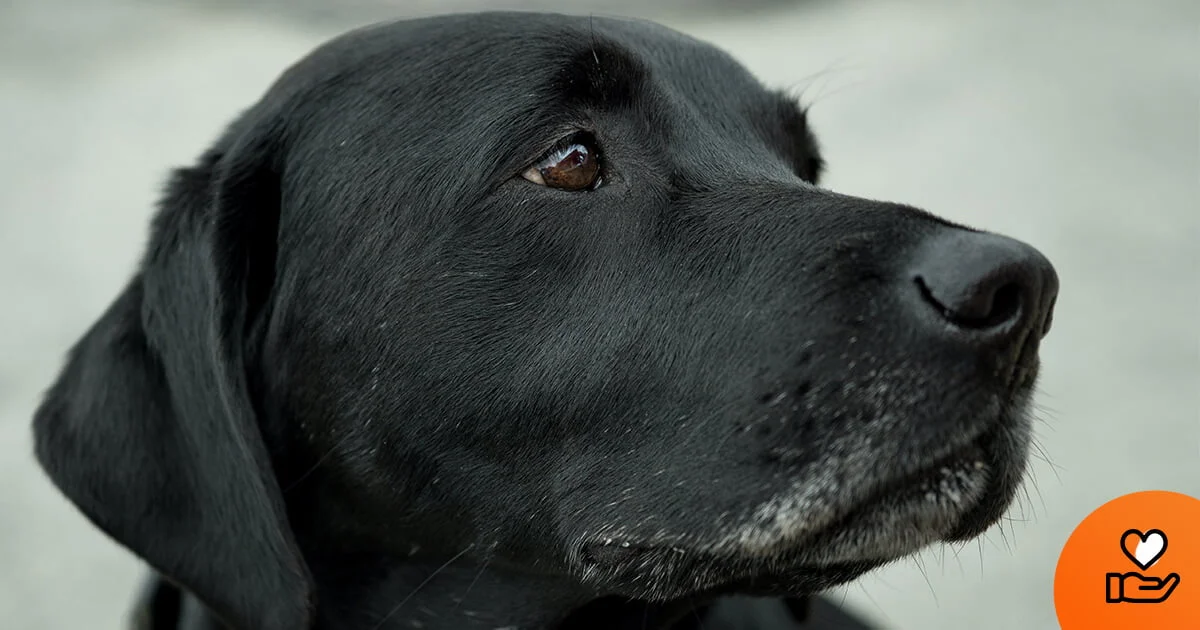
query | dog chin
(799,543)
(953,498)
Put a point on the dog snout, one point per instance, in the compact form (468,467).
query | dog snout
(989,289)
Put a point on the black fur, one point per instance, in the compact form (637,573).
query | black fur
(367,377)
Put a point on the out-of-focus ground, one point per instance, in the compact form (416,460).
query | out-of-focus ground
(1072,125)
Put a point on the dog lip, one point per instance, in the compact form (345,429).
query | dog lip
(900,513)
(904,513)
(934,479)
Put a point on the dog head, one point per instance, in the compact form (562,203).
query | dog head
(554,297)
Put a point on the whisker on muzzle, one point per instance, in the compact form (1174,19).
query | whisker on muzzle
(445,565)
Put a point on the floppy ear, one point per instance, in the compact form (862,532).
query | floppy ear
(150,429)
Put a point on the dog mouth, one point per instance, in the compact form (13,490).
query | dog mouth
(786,547)
(907,513)
(932,498)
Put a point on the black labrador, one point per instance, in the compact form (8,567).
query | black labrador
(530,321)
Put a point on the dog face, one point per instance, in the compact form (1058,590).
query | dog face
(559,296)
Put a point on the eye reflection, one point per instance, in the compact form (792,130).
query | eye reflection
(573,166)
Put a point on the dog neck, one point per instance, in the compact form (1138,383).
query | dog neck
(437,596)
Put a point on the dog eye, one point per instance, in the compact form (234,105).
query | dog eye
(573,165)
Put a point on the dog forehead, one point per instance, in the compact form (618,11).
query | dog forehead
(510,53)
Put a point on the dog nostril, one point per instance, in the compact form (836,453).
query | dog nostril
(993,287)
(983,308)
(1006,302)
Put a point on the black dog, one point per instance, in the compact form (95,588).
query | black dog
(530,321)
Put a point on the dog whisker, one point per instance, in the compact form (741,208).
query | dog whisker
(1041,407)
(828,95)
(979,545)
(298,480)
(1033,514)
(482,568)
(1041,497)
(962,571)
(342,441)
(866,593)
(1040,453)
(1004,534)
(800,87)
(921,567)
(429,578)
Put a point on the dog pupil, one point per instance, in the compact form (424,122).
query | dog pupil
(575,171)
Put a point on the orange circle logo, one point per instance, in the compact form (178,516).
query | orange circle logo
(1133,563)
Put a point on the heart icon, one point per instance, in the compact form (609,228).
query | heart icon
(1144,549)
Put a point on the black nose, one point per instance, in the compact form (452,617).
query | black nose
(991,288)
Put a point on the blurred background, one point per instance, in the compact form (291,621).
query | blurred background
(1072,125)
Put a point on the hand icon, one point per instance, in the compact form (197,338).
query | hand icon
(1135,588)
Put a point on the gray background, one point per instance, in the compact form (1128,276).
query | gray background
(1072,125)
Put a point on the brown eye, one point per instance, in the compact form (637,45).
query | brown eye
(574,165)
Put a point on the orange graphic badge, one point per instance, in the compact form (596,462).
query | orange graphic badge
(1133,563)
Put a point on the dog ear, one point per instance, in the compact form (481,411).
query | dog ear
(150,430)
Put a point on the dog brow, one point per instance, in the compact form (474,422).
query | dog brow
(600,75)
